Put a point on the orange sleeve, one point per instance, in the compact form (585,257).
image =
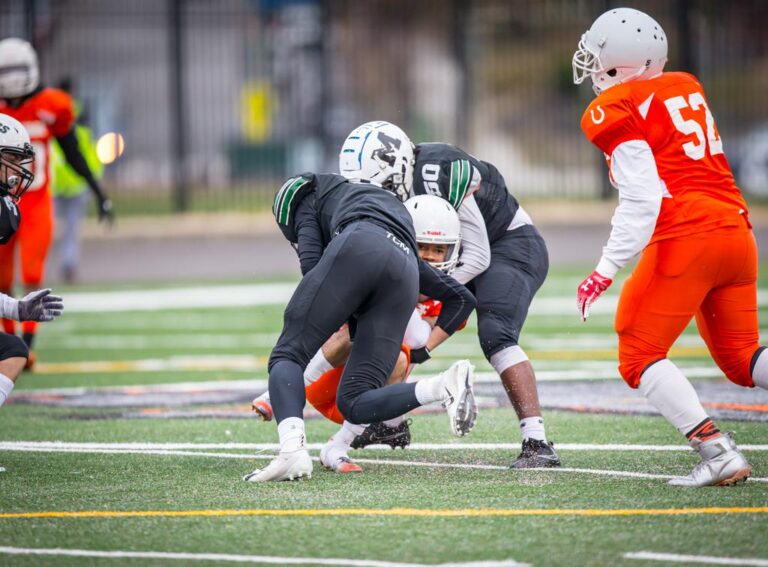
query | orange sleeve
(63,110)
(609,122)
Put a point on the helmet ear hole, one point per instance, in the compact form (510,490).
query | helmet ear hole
(611,72)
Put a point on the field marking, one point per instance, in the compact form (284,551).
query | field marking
(263,559)
(101,449)
(397,512)
(709,559)
(459,446)
(249,363)
(202,297)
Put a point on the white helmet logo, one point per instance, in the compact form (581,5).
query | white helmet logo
(601,115)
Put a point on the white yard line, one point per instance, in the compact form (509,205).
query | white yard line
(707,559)
(459,446)
(269,294)
(168,450)
(580,370)
(262,559)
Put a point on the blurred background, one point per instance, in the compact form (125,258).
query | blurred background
(212,102)
(207,105)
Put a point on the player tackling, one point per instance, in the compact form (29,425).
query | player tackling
(680,206)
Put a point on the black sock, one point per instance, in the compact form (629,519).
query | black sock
(28,338)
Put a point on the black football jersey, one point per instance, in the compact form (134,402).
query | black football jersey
(338,202)
(10,217)
(449,172)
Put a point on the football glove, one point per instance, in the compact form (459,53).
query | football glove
(588,292)
(40,305)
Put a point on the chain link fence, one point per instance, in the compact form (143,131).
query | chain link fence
(218,101)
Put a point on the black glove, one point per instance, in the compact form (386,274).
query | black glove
(40,305)
(420,355)
(105,211)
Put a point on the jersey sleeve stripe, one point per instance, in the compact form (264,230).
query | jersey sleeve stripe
(455,172)
(279,195)
(460,178)
(283,203)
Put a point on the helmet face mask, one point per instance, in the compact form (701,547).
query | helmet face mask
(436,223)
(380,153)
(15,153)
(622,45)
(15,179)
(19,69)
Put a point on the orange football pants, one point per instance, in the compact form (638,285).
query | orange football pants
(712,276)
(33,238)
(322,392)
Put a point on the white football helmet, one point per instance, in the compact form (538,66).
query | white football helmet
(381,153)
(622,45)
(436,222)
(19,70)
(15,153)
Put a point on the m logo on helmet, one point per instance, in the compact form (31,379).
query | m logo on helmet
(600,116)
(387,153)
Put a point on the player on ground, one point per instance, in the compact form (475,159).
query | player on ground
(16,153)
(356,249)
(680,206)
(46,114)
(503,259)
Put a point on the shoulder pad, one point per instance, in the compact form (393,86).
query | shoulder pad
(325,182)
(289,196)
(612,120)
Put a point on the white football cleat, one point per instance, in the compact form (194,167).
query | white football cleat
(335,458)
(286,466)
(262,407)
(722,464)
(460,402)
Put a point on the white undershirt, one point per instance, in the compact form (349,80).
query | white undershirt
(475,246)
(634,173)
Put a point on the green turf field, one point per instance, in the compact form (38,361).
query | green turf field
(169,487)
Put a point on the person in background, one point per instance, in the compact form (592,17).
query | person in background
(70,191)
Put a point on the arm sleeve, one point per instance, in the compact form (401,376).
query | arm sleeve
(71,150)
(633,169)
(309,235)
(457,300)
(9,307)
(475,246)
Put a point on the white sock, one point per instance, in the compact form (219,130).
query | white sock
(759,372)
(318,366)
(6,385)
(394,422)
(670,392)
(533,428)
(430,390)
(291,432)
(347,434)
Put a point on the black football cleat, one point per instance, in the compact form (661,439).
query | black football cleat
(536,455)
(380,434)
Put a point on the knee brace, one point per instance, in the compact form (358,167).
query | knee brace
(507,357)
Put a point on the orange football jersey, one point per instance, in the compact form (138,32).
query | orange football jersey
(47,114)
(671,114)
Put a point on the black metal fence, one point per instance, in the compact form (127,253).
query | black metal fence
(218,100)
